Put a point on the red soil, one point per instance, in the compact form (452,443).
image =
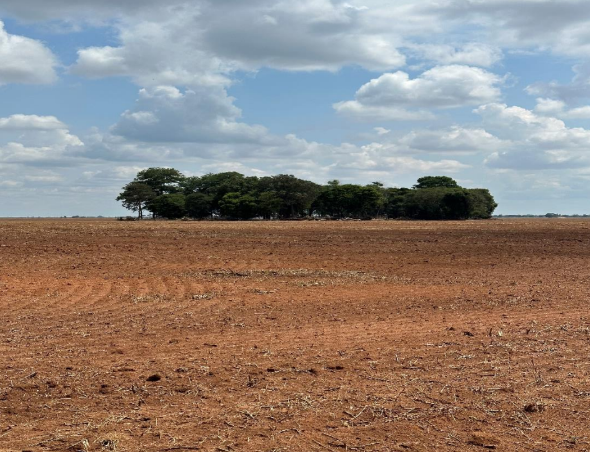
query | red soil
(294,336)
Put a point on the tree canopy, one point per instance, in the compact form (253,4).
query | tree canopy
(170,205)
(436,182)
(161,180)
(166,193)
(135,197)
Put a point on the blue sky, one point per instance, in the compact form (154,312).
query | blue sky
(495,93)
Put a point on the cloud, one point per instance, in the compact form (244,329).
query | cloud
(166,114)
(312,34)
(109,175)
(397,96)
(558,108)
(203,43)
(536,142)
(454,140)
(471,54)
(381,130)
(577,113)
(36,140)
(549,106)
(371,113)
(298,36)
(155,53)
(30,122)
(560,26)
(87,10)
(571,93)
(529,159)
(511,137)
(48,177)
(383,157)
(10,184)
(518,122)
(25,60)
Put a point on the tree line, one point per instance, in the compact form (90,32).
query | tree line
(167,193)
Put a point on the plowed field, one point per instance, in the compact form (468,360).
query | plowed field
(294,336)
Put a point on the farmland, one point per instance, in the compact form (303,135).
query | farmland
(294,336)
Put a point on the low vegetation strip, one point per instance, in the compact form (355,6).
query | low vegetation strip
(167,193)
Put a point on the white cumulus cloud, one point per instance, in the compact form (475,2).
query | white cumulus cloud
(536,141)
(454,140)
(200,115)
(471,54)
(397,96)
(559,109)
(36,140)
(25,60)
(28,122)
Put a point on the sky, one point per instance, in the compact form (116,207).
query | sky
(494,93)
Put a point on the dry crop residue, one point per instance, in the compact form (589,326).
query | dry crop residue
(295,336)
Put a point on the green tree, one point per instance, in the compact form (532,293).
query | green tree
(135,197)
(166,192)
(161,180)
(349,200)
(481,203)
(370,201)
(436,181)
(325,203)
(171,206)
(238,206)
(216,186)
(198,205)
(439,203)
(455,204)
(296,195)
(269,204)
(395,202)
(190,185)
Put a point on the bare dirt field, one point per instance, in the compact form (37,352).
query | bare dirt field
(294,336)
